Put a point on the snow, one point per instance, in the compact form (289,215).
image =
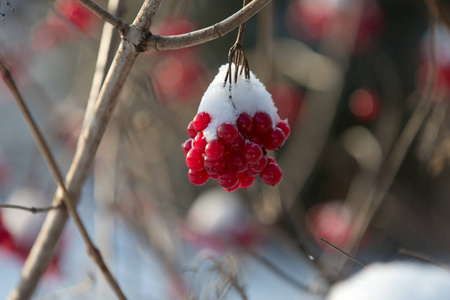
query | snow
(395,281)
(23,225)
(441,45)
(225,105)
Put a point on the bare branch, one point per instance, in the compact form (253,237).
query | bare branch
(106,16)
(207,34)
(88,143)
(30,209)
(104,58)
(56,173)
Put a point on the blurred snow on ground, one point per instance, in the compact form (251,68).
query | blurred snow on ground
(395,281)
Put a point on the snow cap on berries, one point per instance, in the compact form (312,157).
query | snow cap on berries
(225,105)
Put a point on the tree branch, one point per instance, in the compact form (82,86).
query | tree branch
(106,16)
(56,173)
(30,209)
(42,251)
(207,34)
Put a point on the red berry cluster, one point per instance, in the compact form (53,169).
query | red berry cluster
(238,154)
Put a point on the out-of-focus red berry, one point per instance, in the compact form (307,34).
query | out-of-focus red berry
(364,105)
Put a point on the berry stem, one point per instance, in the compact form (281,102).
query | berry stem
(237,56)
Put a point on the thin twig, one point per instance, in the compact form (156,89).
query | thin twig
(30,209)
(415,255)
(56,173)
(207,34)
(106,16)
(343,252)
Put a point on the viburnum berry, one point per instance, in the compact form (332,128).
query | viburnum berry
(194,160)
(198,177)
(231,133)
(262,122)
(245,122)
(228,178)
(246,181)
(252,152)
(215,149)
(271,174)
(257,138)
(259,165)
(191,130)
(201,121)
(236,162)
(215,165)
(274,139)
(283,125)
(238,144)
(186,146)
(227,133)
(199,142)
(234,188)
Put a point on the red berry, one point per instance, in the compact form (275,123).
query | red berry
(215,165)
(198,177)
(271,160)
(214,149)
(365,105)
(250,172)
(246,181)
(259,165)
(201,121)
(284,125)
(257,138)
(274,139)
(262,122)
(194,160)
(245,122)
(214,176)
(186,146)
(227,133)
(191,130)
(228,178)
(238,144)
(252,152)
(236,162)
(199,142)
(271,175)
(234,188)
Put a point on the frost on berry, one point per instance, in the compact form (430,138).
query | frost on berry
(234,126)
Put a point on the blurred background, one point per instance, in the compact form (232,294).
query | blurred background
(364,85)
